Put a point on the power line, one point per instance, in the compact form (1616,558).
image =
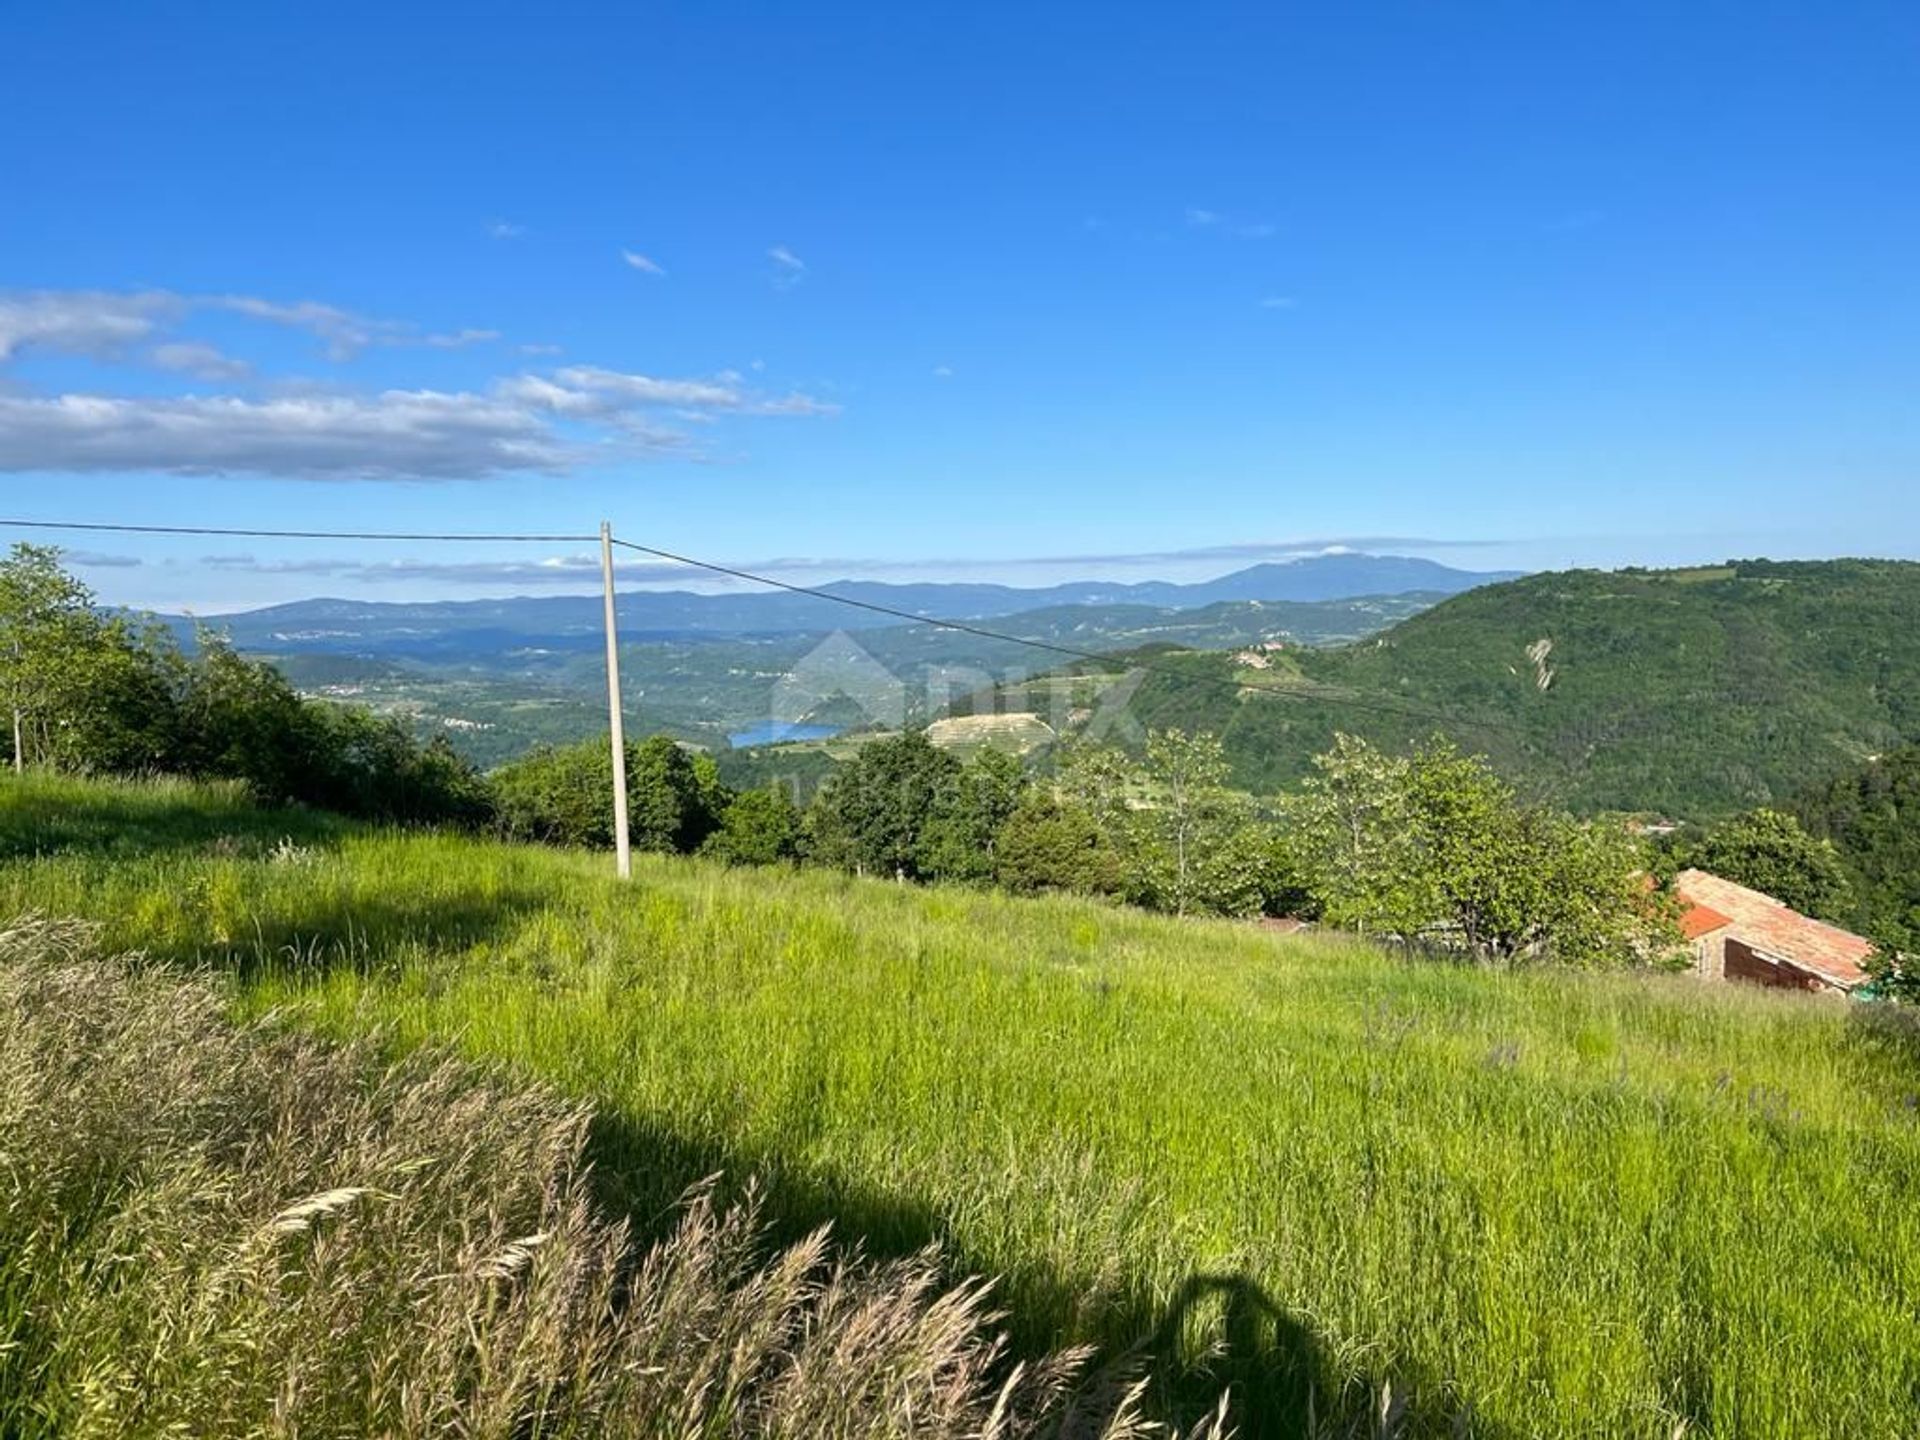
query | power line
(230,533)
(1326,694)
(1322,693)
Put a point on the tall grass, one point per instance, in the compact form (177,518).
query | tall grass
(213,1230)
(1530,1204)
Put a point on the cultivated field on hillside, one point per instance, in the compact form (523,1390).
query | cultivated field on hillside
(1534,1204)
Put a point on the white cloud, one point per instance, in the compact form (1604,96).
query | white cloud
(535,349)
(588,390)
(459,339)
(641,263)
(345,333)
(788,268)
(943,372)
(1278,302)
(1214,220)
(394,435)
(546,422)
(203,362)
(82,322)
(505,230)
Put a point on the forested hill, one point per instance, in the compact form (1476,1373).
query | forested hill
(1692,693)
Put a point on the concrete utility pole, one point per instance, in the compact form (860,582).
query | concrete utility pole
(622,846)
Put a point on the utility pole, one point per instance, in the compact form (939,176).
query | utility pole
(622,846)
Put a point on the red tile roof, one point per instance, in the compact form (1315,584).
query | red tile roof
(1701,920)
(1775,930)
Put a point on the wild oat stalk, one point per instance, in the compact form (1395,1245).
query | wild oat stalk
(444,1272)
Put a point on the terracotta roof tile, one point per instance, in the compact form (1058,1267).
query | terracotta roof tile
(1775,930)
(1702,920)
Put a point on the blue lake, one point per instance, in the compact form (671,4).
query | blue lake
(773,732)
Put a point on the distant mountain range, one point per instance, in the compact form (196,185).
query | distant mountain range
(572,622)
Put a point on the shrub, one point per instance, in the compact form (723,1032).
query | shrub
(760,827)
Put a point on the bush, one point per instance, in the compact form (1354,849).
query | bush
(760,827)
(564,796)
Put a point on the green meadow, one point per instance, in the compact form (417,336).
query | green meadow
(1334,1180)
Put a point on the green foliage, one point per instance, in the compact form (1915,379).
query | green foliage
(1872,818)
(564,796)
(1769,851)
(961,838)
(1538,1202)
(1053,843)
(1181,840)
(758,827)
(674,797)
(1687,694)
(871,817)
(78,690)
(1436,847)
(93,694)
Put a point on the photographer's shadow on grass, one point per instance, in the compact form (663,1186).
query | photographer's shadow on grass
(1219,1332)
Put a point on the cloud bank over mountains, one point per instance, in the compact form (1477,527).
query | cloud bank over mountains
(290,427)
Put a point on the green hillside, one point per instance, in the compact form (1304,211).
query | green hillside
(1692,693)
(1534,1203)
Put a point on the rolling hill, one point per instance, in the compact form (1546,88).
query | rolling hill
(1692,693)
(496,691)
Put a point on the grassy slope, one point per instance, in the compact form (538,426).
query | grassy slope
(1572,1206)
(1695,693)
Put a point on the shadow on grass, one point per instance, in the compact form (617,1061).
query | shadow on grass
(370,933)
(45,821)
(1217,1332)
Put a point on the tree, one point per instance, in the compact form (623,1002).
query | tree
(243,721)
(674,802)
(1183,841)
(1350,829)
(1769,851)
(1435,846)
(1052,842)
(872,816)
(78,689)
(961,837)
(758,827)
(562,795)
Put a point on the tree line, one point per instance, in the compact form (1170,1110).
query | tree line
(1429,847)
(91,692)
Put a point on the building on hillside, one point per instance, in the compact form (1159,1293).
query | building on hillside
(1742,934)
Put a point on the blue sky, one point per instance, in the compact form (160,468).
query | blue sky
(978,291)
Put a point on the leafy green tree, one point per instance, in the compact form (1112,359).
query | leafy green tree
(242,720)
(1436,847)
(1350,829)
(80,690)
(674,802)
(1183,840)
(1872,818)
(562,795)
(960,840)
(1051,842)
(872,816)
(1769,850)
(758,827)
